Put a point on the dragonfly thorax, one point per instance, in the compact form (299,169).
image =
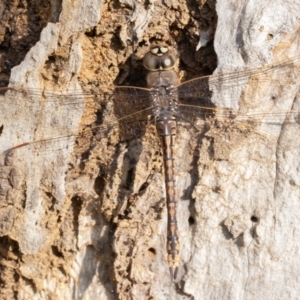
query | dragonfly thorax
(164,101)
(162,78)
(162,91)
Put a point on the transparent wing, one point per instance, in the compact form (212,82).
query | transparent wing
(127,100)
(195,97)
(200,88)
(125,114)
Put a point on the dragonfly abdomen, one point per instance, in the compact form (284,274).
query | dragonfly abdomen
(166,127)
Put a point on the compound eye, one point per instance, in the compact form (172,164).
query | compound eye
(151,62)
(154,63)
(167,62)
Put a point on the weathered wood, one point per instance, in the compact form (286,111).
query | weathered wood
(88,220)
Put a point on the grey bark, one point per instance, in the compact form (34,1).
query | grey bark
(95,228)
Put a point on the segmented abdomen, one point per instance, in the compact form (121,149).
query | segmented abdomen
(166,127)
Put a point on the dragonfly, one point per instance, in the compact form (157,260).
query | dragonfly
(169,104)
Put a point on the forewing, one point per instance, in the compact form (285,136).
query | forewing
(195,99)
(125,116)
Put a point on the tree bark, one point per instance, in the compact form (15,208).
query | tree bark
(85,218)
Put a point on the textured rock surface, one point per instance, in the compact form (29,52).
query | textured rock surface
(87,219)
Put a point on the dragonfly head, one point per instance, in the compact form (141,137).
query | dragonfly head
(160,57)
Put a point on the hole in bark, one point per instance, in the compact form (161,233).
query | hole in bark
(191,221)
(1,129)
(56,252)
(254,219)
(99,185)
(270,36)
(152,251)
